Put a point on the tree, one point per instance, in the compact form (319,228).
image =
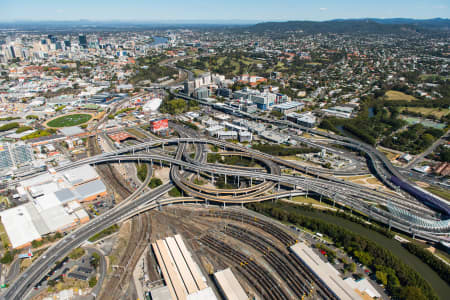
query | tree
(411,293)
(77,253)
(95,260)
(51,283)
(175,192)
(92,281)
(7,258)
(351,267)
(155,182)
(381,277)
(428,139)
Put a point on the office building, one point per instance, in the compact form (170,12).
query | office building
(202,92)
(83,41)
(15,155)
(288,107)
(305,119)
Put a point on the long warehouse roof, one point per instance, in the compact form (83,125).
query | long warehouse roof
(325,272)
(181,274)
(230,286)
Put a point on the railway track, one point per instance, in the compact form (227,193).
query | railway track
(281,266)
(281,236)
(264,283)
(108,172)
(300,279)
(136,245)
(273,230)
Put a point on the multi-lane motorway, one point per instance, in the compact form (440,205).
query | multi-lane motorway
(351,195)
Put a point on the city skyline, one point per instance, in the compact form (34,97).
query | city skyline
(222,12)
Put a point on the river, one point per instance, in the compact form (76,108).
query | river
(159,40)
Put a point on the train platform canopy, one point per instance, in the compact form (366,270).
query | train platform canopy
(325,272)
(181,274)
(229,285)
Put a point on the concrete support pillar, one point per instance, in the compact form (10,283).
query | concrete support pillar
(320,199)
(225,178)
(251,181)
(306,192)
(163,146)
(278,188)
(238,181)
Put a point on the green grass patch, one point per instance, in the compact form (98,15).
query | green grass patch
(437,112)
(308,200)
(77,253)
(4,236)
(396,95)
(155,182)
(439,192)
(37,134)
(104,233)
(69,120)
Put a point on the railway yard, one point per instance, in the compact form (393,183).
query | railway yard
(256,251)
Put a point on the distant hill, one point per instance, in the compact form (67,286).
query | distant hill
(364,26)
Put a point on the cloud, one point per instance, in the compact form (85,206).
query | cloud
(440,6)
(323,8)
(59,11)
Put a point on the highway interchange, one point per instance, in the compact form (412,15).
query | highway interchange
(182,167)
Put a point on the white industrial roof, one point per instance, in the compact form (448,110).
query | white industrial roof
(19,226)
(80,174)
(288,105)
(46,177)
(46,201)
(57,218)
(363,285)
(65,195)
(161,293)
(230,286)
(205,294)
(81,214)
(70,131)
(325,272)
(90,188)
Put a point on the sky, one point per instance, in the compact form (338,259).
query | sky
(257,10)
